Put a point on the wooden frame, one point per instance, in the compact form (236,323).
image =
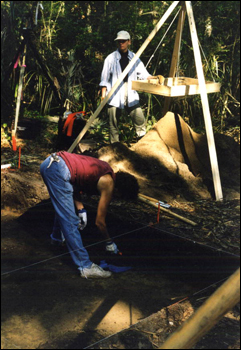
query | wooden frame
(123,74)
(215,307)
(173,87)
(203,87)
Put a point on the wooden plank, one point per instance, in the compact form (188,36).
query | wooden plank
(144,86)
(53,119)
(176,53)
(178,90)
(190,81)
(210,88)
(220,302)
(176,81)
(154,81)
(177,44)
(205,104)
(123,74)
(20,88)
(170,89)
(153,202)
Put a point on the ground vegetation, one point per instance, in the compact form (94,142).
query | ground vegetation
(174,266)
(73,38)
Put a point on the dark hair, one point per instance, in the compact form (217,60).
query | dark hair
(127,185)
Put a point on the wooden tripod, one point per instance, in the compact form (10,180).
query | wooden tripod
(186,8)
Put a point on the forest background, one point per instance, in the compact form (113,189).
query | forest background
(72,39)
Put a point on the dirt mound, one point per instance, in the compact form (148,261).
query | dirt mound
(22,189)
(171,160)
(167,262)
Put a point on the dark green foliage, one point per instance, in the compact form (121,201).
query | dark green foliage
(74,37)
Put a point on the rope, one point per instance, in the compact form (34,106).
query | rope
(206,60)
(195,242)
(178,62)
(162,38)
(123,234)
(198,292)
(144,320)
(162,230)
(178,58)
(55,257)
(184,238)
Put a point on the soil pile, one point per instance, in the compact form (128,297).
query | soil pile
(168,266)
(171,161)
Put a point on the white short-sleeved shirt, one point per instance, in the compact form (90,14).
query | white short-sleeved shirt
(112,71)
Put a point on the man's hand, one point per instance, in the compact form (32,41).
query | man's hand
(82,214)
(156,79)
(103,93)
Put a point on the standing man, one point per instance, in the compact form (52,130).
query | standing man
(124,97)
(66,175)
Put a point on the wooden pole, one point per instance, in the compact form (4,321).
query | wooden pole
(175,54)
(205,104)
(153,201)
(126,70)
(20,88)
(10,68)
(224,299)
(18,103)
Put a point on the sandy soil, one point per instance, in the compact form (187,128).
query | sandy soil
(46,305)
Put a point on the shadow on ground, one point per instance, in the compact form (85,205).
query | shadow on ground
(49,306)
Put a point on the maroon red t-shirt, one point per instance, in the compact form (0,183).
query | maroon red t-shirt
(85,171)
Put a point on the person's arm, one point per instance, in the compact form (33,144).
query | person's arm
(150,77)
(142,72)
(79,205)
(159,77)
(103,92)
(105,83)
(106,187)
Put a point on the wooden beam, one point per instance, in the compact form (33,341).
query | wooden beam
(175,54)
(224,299)
(20,88)
(173,88)
(205,104)
(153,201)
(123,74)
(11,65)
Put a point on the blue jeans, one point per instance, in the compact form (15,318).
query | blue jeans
(57,234)
(57,180)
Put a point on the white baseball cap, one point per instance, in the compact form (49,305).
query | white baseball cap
(123,35)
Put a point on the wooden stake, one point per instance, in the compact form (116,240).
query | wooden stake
(20,88)
(153,201)
(205,104)
(19,157)
(224,299)
(123,74)
(14,143)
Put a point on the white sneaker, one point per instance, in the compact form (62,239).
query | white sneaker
(94,271)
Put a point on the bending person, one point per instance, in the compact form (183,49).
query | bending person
(66,175)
